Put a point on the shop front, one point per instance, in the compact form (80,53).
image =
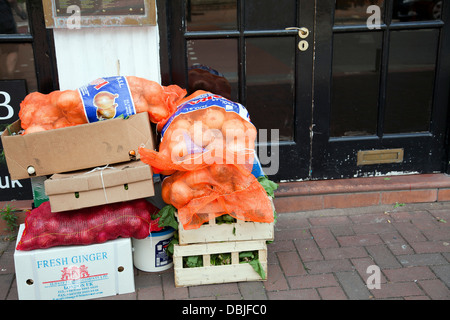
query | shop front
(338,89)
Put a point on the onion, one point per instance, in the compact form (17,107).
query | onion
(214,118)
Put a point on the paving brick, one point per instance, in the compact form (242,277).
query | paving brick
(292,234)
(422,259)
(332,293)
(359,240)
(441,214)
(5,283)
(410,215)
(369,218)
(281,245)
(276,280)
(396,243)
(312,281)
(409,274)
(253,290)
(443,272)
(169,289)
(370,228)
(352,200)
(303,294)
(397,289)
(431,246)
(213,290)
(328,266)
(383,256)
(292,221)
(303,203)
(413,196)
(324,238)
(150,293)
(409,231)
(329,221)
(290,263)
(436,289)
(362,266)
(437,234)
(353,285)
(308,250)
(342,230)
(344,253)
(444,195)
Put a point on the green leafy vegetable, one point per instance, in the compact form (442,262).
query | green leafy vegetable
(251,257)
(226,218)
(220,259)
(167,217)
(193,262)
(268,185)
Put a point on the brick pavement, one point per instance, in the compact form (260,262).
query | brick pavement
(323,255)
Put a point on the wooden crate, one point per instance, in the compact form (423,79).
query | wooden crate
(210,274)
(237,231)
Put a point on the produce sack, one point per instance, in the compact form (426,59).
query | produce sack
(101,99)
(214,191)
(45,229)
(206,129)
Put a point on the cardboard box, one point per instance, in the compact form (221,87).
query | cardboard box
(75,272)
(75,148)
(101,185)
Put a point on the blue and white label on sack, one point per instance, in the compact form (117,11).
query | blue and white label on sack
(107,98)
(205,101)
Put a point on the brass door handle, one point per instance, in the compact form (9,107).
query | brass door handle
(302,32)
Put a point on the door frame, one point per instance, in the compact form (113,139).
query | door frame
(325,148)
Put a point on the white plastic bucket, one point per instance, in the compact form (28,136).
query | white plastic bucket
(149,254)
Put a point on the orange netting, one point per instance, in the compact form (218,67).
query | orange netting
(204,194)
(206,129)
(59,109)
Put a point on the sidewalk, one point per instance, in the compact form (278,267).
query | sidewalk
(323,255)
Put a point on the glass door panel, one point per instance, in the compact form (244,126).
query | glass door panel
(270,83)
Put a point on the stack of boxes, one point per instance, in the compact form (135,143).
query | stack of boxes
(98,163)
(222,239)
(83,166)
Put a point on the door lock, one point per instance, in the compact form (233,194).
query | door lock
(303,45)
(303,33)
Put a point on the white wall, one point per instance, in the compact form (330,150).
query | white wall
(85,54)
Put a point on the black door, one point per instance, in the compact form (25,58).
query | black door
(27,64)
(254,45)
(369,95)
(381,92)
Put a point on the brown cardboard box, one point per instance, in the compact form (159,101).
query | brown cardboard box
(75,148)
(101,185)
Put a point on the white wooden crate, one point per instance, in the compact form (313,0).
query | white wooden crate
(237,231)
(210,274)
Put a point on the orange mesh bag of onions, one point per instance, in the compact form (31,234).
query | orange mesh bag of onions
(206,129)
(217,189)
(60,109)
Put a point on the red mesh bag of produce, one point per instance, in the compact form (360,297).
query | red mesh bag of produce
(216,190)
(206,129)
(45,229)
(103,98)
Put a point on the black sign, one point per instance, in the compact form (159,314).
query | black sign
(12,92)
